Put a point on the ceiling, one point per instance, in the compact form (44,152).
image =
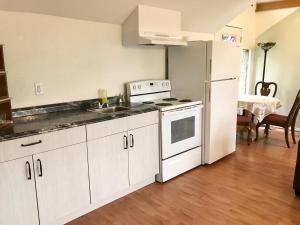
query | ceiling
(197,15)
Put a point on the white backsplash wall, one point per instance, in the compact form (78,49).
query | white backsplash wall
(71,58)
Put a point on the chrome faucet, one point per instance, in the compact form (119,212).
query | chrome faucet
(119,99)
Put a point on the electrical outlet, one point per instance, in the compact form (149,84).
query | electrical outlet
(38,88)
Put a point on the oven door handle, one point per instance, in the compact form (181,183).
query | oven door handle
(187,109)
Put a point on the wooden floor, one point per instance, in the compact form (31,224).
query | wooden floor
(251,186)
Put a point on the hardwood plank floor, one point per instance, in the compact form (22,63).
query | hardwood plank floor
(251,186)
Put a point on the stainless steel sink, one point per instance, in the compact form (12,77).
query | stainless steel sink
(113,109)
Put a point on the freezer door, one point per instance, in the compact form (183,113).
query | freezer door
(223,60)
(220,119)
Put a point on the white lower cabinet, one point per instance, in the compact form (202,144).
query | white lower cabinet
(45,184)
(122,160)
(18,205)
(108,164)
(62,182)
(143,153)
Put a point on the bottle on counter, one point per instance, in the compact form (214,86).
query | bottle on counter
(102,95)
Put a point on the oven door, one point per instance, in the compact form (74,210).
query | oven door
(181,130)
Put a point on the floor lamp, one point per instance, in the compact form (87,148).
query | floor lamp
(265,90)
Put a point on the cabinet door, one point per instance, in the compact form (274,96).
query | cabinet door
(108,164)
(62,182)
(143,153)
(18,205)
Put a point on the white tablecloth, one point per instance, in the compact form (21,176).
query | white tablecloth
(259,106)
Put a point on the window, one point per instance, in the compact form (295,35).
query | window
(182,129)
(244,78)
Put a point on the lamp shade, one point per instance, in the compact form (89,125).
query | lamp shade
(266,46)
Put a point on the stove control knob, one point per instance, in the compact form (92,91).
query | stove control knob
(133,87)
(139,86)
(167,83)
(163,84)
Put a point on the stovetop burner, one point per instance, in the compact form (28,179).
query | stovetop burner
(148,102)
(170,99)
(185,100)
(163,104)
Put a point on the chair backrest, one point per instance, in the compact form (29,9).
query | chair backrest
(294,111)
(265,88)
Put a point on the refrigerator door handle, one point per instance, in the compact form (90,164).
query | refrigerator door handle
(210,65)
(209,94)
(233,78)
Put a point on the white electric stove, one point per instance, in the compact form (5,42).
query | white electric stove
(180,126)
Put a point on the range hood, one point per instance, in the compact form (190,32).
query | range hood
(152,26)
(161,39)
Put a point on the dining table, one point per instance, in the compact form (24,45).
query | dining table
(259,106)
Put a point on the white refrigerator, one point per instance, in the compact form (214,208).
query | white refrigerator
(209,71)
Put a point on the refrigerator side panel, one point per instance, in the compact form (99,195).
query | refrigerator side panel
(206,122)
(187,70)
(223,60)
(220,119)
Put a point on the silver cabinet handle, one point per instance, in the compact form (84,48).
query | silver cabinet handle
(30,144)
(131,141)
(40,168)
(125,142)
(28,170)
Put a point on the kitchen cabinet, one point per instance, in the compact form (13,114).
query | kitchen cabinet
(43,177)
(18,205)
(62,182)
(108,163)
(54,177)
(127,156)
(143,153)
(36,144)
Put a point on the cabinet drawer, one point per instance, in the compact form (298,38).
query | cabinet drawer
(106,128)
(22,147)
(142,120)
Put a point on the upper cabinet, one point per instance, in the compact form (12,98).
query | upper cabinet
(152,26)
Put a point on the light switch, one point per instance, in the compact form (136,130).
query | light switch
(39,88)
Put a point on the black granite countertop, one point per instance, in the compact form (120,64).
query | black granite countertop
(38,123)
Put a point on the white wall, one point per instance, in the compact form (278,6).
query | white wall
(264,20)
(72,58)
(283,64)
(246,21)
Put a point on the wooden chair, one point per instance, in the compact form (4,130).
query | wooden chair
(282,121)
(265,88)
(245,121)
